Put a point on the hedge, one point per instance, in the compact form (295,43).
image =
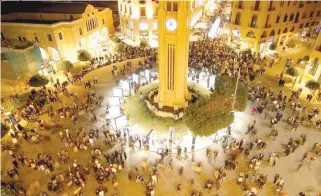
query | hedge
(64,65)
(207,116)
(38,80)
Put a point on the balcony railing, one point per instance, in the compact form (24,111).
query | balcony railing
(271,9)
(256,8)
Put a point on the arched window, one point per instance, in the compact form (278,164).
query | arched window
(253,21)
(238,18)
(285,30)
(251,34)
(292,29)
(272,33)
(263,34)
(278,18)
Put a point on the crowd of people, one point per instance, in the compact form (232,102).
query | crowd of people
(107,165)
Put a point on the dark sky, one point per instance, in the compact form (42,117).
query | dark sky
(28,6)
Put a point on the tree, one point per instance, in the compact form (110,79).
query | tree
(306,58)
(143,44)
(12,103)
(120,47)
(312,85)
(38,80)
(292,71)
(84,55)
(273,46)
(64,65)
(4,129)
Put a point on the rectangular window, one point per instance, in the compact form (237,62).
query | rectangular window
(169,6)
(175,6)
(49,37)
(142,11)
(80,31)
(103,21)
(20,38)
(24,39)
(311,14)
(143,26)
(60,35)
(36,39)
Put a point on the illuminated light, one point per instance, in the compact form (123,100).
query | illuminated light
(143,26)
(155,25)
(195,18)
(153,43)
(135,12)
(214,28)
(131,24)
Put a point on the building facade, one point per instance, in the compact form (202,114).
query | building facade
(60,29)
(258,24)
(138,19)
(313,68)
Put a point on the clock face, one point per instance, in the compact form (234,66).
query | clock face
(171,24)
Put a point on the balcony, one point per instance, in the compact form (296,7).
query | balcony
(255,8)
(270,9)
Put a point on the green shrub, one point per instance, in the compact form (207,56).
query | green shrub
(207,116)
(273,46)
(313,85)
(306,58)
(120,47)
(64,65)
(38,80)
(292,71)
(12,103)
(143,44)
(84,55)
(4,129)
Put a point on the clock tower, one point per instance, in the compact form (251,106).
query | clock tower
(173,38)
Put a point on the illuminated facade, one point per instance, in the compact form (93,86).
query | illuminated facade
(138,19)
(174,31)
(257,24)
(62,29)
(313,69)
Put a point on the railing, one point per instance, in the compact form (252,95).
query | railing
(256,8)
(271,9)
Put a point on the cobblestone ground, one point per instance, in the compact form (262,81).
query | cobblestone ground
(307,179)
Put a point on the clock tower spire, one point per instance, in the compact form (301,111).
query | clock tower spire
(173,38)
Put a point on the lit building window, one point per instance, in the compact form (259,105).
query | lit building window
(131,24)
(155,25)
(143,26)
(49,37)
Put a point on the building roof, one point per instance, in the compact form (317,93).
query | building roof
(43,7)
(34,21)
